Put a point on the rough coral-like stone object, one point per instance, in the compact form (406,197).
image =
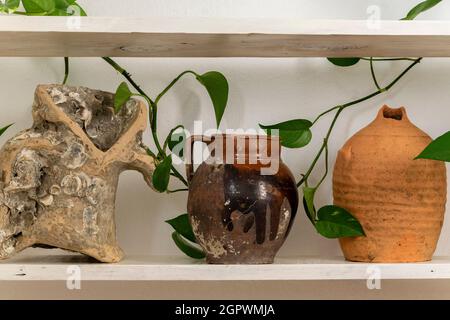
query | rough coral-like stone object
(399,201)
(58,179)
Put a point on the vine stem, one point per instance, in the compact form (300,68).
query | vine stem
(179,176)
(177,190)
(326,166)
(173,83)
(388,59)
(153,110)
(339,109)
(166,143)
(127,76)
(66,69)
(161,151)
(323,147)
(152,119)
(374,77)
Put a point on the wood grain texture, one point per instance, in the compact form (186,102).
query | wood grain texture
(206,37)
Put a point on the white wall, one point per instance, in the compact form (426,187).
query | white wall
(261,90)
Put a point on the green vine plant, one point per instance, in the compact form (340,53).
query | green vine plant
(333,221)
(330,221)
(438,149)
(41,7)
(217,88)
(214,82)
(3,130)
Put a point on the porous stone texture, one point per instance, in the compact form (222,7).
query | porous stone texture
(399,201)
(58,179)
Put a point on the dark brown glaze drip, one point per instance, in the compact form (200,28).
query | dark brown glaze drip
(239,215)
(251,194)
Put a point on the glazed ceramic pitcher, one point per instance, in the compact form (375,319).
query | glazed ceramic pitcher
(242,199)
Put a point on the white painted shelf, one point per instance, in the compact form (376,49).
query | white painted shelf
(206,37)
(37,264)
(182,37)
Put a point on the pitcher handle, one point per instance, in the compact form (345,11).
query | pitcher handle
(189,154)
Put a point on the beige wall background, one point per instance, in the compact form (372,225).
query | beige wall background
(261,90)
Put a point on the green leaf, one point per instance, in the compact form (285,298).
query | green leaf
(335,222)
(62,8)
(2,130)
(217,86)
(12,5)
(81,10)
(161,175)
(344,62)
(74,9)
(308,203)
(176,141)
(39,6)
(439,149)
(421,7)
(293,133)
(188,248)
(63,4)
(149,152)
(182,225)
(58,13)
(123,94)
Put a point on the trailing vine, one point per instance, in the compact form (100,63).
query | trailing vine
(330,221)
(214,82)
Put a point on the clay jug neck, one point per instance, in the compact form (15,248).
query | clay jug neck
(389,114)
(392,122)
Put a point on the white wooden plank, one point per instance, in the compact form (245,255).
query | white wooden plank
(45,265)
(207,37)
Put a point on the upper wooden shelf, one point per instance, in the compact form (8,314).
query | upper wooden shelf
(206,37)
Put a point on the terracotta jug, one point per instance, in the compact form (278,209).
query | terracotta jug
(239,213)
(399,201)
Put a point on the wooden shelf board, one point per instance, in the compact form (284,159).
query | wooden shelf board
(206,37)
(38,264)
